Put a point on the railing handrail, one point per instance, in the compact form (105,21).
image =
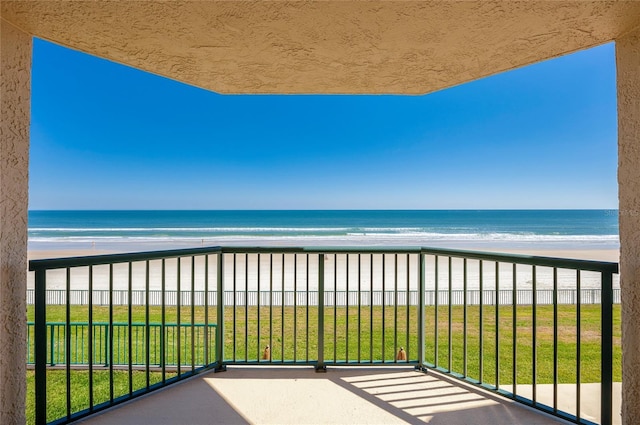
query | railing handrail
(187,325)
(105,259)
(534,260)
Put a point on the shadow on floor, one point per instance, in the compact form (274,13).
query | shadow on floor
(298,395)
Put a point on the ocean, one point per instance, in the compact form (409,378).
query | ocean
(462,229)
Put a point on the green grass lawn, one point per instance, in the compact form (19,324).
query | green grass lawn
(365,334)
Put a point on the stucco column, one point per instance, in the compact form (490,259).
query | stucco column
(628,66)
(15,88)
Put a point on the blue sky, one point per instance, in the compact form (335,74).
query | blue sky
(105,136)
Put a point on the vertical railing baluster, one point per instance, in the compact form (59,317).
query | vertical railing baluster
(106,344)
(172,343)
(246,307)
(335,307)
(51,344)
(395,309)
(100,340)
(307,312)
(282,312)
(421,310)
(555,339)
(435,320)
(129,321)
(384,304)
(606,390)
(136,348)
(82,345)
(59,349)
(154,332)
(320,367)
(111,333)
(207,361)
(118,343)
(534,342)
(41,346)
(163,324)
(220,313)
(193,312)
(185,346)
(359,308)
(67,341)
(347,306)
(147,328)
(178,329)
(464,318)
(259,341)
(481,324)
(295,308)
(514,315)
(270,308)
(74,337)
(497,306)
(450,311)
(578,344)
(407,349)
(234,306)
(371,308)
(90,338)
(55,339)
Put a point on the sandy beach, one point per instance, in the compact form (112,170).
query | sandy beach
(288,273)
(611,255)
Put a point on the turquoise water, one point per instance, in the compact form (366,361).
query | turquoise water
(452,228)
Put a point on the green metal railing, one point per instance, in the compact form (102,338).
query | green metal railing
(176,355)
(523,356)
(481,317)
(158,335)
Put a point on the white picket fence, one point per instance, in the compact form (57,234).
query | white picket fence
(331,298)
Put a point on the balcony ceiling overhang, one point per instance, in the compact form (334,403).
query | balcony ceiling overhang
(410,47)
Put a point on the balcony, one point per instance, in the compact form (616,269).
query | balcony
(493,333)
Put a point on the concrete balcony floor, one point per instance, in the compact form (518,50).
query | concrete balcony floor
(296,395)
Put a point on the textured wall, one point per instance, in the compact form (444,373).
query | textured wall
(628,63)
(15,87)
(325,46)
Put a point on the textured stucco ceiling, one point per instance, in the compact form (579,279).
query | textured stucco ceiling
(324,47)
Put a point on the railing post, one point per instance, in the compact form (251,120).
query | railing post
(606,390)
(320,367)
(163,322)
(220,315)
(421,314)
(40,329)
(206,311)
